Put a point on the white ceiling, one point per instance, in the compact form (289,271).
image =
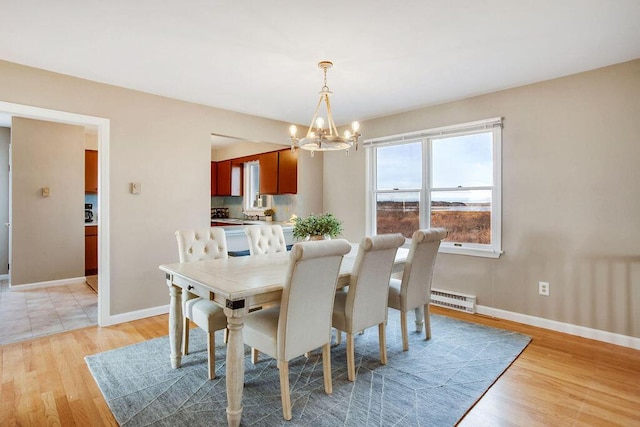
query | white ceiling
(260,57)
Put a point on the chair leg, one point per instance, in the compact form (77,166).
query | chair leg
(427,322)
(211,349)
(254,355)
(338,336)
(326,368)
(351,358)
(185,336)
(283,367)
(419,318)
(226,335)
(405,334)
(382,338)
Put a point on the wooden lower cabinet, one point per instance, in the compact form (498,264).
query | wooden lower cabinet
(90,250)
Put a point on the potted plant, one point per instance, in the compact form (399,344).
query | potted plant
(317,227)
(268,214)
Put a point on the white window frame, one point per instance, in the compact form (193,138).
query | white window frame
(493,250)
(248,207)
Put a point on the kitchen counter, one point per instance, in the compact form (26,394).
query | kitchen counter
(88,224)
(237,239)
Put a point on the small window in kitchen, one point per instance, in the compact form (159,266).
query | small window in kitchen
(254,203)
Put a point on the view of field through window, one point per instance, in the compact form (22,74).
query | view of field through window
(466,223)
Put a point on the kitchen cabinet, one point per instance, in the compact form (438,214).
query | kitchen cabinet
(229,179)
(288,171)
(279,172)
(214,178)
(90,171)
(90,250)
(269,173)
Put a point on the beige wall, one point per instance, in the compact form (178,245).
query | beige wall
(244,148)
(47,234)
(571,203)
(5,138)
(163,144)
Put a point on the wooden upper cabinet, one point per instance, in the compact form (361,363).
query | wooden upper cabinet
(288,171)
(214,178)
(229,179)
(224,178)
(269,173)
(90,171)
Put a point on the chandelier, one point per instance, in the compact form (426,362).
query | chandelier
(319,138)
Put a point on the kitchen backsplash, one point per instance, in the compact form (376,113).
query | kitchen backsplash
(284,205)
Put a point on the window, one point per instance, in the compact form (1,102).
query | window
(447,177)
(254,202)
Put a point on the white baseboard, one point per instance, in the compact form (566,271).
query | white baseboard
(49,283)
(568,328)
(136,315)
(4,277)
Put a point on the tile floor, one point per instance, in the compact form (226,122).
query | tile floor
(32,313)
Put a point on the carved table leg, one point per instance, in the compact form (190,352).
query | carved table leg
(235,370)
(175,324)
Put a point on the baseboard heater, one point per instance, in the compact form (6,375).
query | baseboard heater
(453,300)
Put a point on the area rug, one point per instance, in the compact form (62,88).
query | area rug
(433,384)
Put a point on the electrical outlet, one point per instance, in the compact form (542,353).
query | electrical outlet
(543,288)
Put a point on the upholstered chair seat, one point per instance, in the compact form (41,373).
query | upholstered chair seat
(413,291)
(199,245)
(302,322)
(365,303)
(265,239)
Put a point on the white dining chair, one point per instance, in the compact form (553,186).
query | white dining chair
(365,303)
(413,291)
(199,245)
(302,322)
(265,239)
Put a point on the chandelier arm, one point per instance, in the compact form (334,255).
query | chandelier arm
(332,124)
(315,115)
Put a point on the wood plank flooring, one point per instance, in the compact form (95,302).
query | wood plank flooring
(558,380)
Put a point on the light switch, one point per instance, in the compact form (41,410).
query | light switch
(136,188)
(45,191)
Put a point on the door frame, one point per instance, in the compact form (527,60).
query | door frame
(103,126)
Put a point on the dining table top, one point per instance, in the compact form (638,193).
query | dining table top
(235,278)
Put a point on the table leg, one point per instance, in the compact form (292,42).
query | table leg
(175,324)
(235,370)
(419,318)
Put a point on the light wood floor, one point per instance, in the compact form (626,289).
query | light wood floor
(559,380)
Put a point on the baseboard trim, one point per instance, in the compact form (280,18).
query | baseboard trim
(568,328)
(136,315)
(4,277)
(49,283)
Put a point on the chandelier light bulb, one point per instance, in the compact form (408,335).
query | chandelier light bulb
(355,126)
(293,130)
(320,123)
(347,134)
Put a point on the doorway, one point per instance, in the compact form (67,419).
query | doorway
(101,128)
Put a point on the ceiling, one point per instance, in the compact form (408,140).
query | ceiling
(260,57)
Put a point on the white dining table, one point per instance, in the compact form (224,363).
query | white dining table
(238,285)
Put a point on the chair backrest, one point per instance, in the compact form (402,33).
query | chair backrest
(415,290)
(368,295)
(198,245)
(307,296)
(265,239)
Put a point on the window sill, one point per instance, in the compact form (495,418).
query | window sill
(485,253)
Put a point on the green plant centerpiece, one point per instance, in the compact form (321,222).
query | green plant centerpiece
(317,227)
